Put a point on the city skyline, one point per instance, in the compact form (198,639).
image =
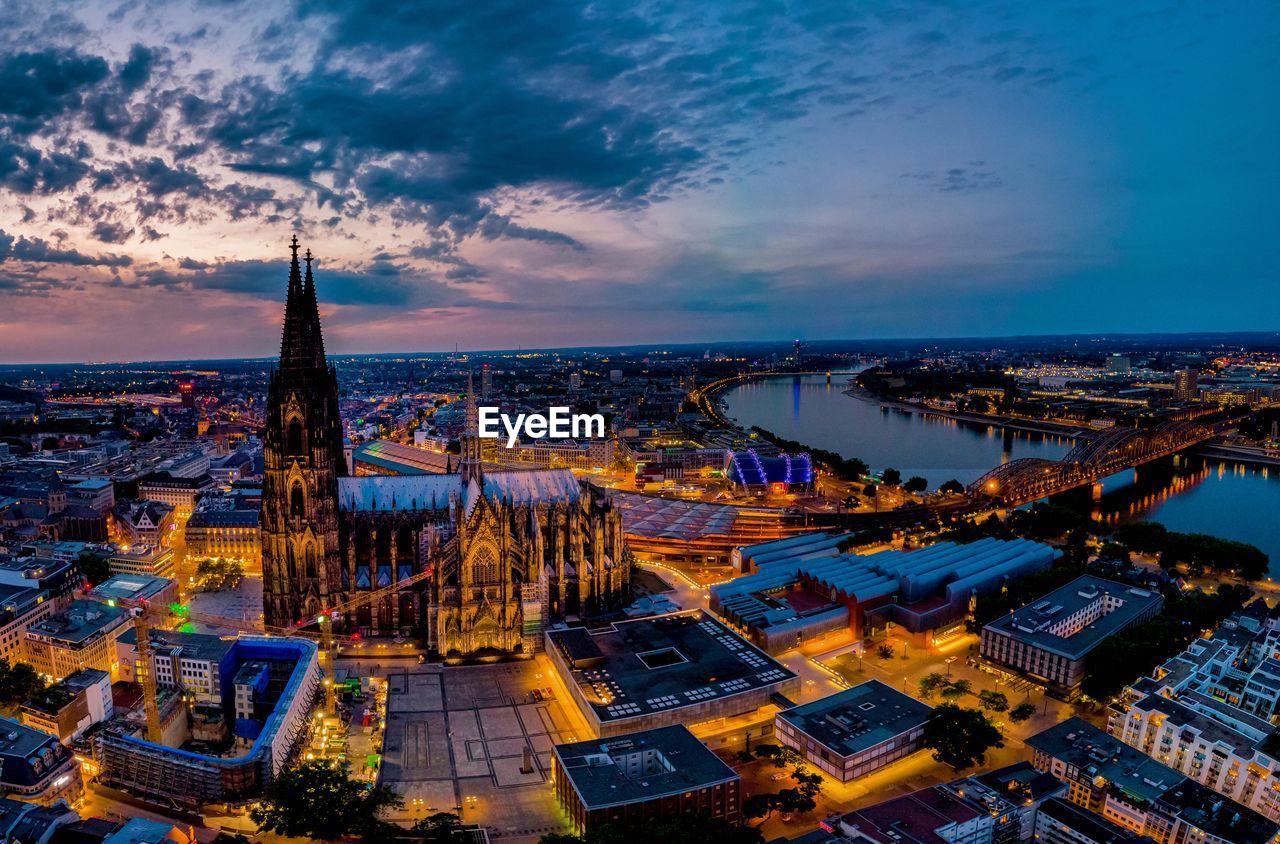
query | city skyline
(553,177)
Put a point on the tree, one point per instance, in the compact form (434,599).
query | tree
(780,755)
(1143,537)
(94,567)
(438,827)
(930,683)
(951,487)
(993,701)
(885,651)
(19,682)
(319,800)
(915,483)
(959,688)
(1022,712)
(892,477)
(959,737)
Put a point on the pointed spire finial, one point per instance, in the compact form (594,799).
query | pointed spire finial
(293,246)
(306,256)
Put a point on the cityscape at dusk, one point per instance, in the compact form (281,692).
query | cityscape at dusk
(566,423)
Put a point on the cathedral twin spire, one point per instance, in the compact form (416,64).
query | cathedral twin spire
(302,344)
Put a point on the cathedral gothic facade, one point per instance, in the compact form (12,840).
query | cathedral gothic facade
(503,551)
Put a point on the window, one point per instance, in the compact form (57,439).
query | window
(297,500)
(293,444)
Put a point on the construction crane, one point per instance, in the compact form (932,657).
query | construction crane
(145,617)
(328,616)
(146,679)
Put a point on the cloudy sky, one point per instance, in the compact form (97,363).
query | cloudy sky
(510,173)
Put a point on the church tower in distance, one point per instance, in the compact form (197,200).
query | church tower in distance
(303,457)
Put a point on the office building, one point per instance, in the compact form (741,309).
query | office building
(197,663)
(1048,641)
(68,708)
(227,533)
(643,777)
(58,578)
(1186,385)
(179,492)
(855,731)
(136,590)
(657,672)
(951,813)
(20,607)
(150,560)
(81,636)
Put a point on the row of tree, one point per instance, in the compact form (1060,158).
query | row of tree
(1200,552)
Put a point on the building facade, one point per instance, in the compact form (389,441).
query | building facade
(497,551)
(641,778)
(1049,640)
(856,731)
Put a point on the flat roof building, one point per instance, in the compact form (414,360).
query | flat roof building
(1048,640)
(154,560)
(1131,789)
(20,607)
(81,636)
(856,731)
(133,590)
(641,777)
(804,589)
(656,672)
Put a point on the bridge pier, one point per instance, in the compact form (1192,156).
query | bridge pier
(1096,491)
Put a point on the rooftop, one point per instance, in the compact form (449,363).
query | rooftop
(1048,622)
(654,664)
(859,718)
(640,766)
(129,587)
(1101,756)
(80,622)
(1093,826)
(203,646)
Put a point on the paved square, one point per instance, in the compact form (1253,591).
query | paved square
(473,740)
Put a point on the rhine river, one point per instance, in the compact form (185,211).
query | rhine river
(1200,495)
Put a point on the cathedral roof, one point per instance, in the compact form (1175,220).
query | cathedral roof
(432,492)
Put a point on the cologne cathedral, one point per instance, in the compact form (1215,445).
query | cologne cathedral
(504,550)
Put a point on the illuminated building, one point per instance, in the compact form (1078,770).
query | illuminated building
(81,636)
(35,767)
(1185,385)
(807,590)
(1128,788)
(783,473)
(20,607)
(643,777)
(68,708)
(1050,639)
(657,672)
(855,731)
(189,779)
(507,548)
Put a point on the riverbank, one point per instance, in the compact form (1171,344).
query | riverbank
(1055,429)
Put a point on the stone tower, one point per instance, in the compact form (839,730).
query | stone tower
(303,458)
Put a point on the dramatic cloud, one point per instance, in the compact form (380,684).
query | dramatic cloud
(512,173)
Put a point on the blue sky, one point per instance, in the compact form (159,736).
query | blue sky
(504,173)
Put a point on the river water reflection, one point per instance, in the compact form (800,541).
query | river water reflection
(1196,495)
